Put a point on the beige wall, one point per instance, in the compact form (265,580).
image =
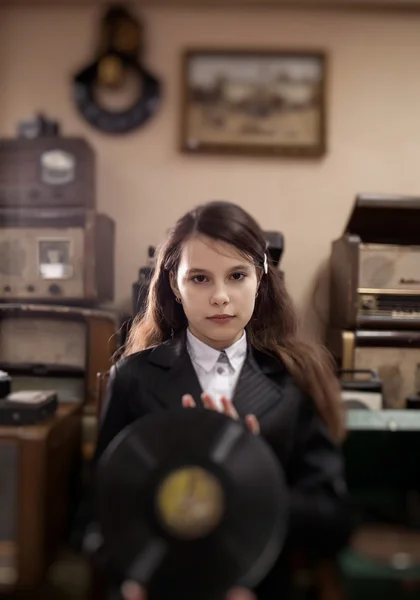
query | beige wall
(144,183)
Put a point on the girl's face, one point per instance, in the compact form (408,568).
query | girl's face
(217,287)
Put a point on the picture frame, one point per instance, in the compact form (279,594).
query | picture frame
(254,102)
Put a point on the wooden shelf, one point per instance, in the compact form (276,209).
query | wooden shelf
(387,5)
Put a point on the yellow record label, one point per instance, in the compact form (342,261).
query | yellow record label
(190,502)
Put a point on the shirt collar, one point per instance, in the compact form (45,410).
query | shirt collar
(207,357)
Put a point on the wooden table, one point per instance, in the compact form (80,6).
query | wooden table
(38,464)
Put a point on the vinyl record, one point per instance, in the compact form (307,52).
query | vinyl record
(189,500)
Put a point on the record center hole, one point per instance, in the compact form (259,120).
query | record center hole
(190,502)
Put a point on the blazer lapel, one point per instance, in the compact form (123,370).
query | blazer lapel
(255,392)
(172,373)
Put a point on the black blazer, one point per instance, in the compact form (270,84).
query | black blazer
(157,378)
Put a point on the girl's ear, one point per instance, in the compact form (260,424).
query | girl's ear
(173,284)
(260,275)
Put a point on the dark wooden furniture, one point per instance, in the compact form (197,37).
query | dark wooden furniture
(38,464)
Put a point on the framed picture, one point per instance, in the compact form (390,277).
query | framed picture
(254,102)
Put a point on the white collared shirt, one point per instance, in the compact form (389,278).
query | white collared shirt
(217,374)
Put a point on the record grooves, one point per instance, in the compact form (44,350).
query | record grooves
(191,503)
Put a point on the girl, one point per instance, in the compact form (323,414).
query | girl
(220,331)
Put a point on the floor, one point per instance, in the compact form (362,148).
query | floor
(67,579)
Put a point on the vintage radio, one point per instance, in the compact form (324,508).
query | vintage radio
(393,355)
(275,246)
(28,407)
(361,390)
(47,347)
(37,466)
(382,473)
(47,171)
(140,288)
(53,255)
(375,266)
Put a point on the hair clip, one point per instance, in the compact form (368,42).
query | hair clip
(265,263)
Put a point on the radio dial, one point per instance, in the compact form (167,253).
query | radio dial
(368,302)
(54,289)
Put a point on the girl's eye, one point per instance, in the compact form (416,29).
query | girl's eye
(203,278)
(238,276)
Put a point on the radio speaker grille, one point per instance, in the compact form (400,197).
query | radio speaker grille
(9,501)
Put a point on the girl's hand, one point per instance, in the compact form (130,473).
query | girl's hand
(227,408)
(132,591)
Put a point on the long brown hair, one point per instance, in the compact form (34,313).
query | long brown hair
(273,327)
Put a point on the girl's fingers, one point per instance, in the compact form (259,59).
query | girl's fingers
(240,593)
(130,590)
(208,402)
(252,424)
(188,401)
(229,409)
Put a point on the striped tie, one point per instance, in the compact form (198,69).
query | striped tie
(222,361)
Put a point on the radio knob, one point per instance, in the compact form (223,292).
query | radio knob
(368,303)
(54,289)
